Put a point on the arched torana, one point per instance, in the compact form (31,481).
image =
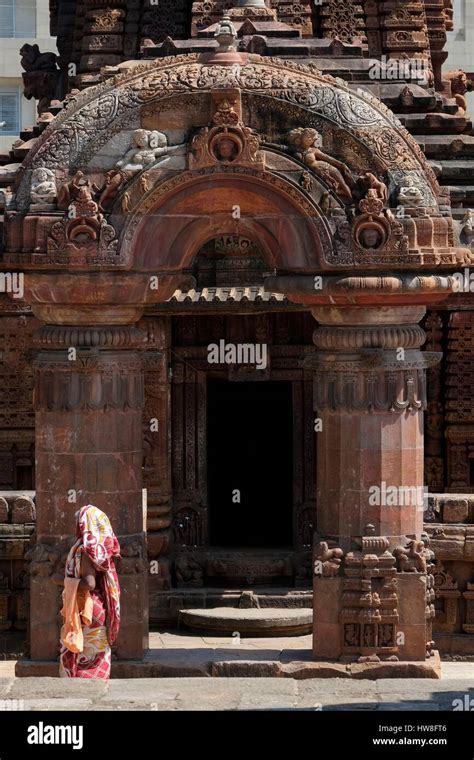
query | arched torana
(177,96)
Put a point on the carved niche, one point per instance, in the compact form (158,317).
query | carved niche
(227,141)
(83,236)
(446,603)
(369,603)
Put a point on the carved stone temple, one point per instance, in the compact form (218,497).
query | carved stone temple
(246,322)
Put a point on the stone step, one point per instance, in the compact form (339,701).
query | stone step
(269,621)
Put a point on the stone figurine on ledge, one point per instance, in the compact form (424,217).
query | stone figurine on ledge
(467,227)
(69,191)
(33,60)
(147,148)
(43,189)
(409,195)
(40,77)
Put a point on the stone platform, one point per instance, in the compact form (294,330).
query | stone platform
(210,694)
(178,655)
(250,622)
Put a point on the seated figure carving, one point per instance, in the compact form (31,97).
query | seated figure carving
(307,142)
(43,186)
(409,195)
(146,149)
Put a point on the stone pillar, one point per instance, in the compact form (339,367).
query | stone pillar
(89,398)
(157,460)
(370,392)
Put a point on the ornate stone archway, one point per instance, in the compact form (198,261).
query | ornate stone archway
(111,206)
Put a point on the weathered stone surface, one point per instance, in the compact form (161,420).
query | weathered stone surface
(246,669)
(23,510)
(249,621)
(40,688)
(455,510)
(387,694)
(3,510)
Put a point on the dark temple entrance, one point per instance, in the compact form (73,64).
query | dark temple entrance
(250,450)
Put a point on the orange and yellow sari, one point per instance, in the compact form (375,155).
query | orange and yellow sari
(91,620)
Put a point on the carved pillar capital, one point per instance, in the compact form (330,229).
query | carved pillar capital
(369,359)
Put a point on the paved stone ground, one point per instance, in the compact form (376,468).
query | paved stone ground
(198,693)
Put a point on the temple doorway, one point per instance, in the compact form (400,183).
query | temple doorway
(250,463)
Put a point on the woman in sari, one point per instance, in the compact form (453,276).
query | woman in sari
(91,598)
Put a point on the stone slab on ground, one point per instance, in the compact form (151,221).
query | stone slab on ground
(41,688)
(265,621)
(213,694)
(181,654)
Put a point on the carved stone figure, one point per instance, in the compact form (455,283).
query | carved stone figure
(42,86)
(467,227)
(369,185)
(409,195)
(126,202)
(306,182)
(406,97)
(229,140)
(83,233)
(188,571)
(41,76)
(144,183)
(133,559)
(225,35)
(187,528)
(226,150)
(43,186)
(351,635)
(146,149)
(33,60)
(109,191)
(460,84)
(368,636)
(70,190)
(372,229)
(306,143)
(370,238)
(7,197)
(331,559)
(411,558)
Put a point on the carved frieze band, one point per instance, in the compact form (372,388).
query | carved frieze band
(343,339)
(46,558)
(88,380)
(372,382)
(61,336)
